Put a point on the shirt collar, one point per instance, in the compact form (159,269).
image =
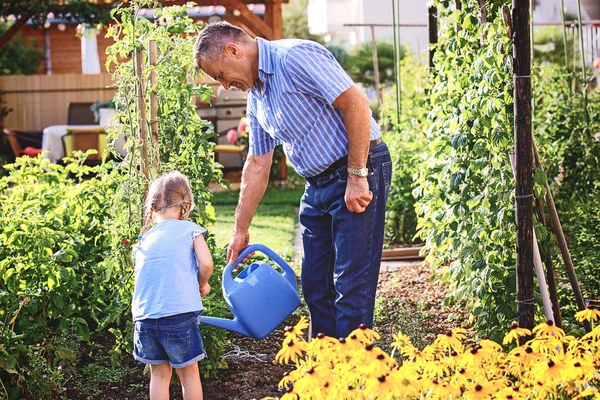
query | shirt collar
(265,65)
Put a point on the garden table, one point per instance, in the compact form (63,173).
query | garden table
(52,140)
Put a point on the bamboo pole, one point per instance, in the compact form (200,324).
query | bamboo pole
(152,57)
(562,244)
(564,32)
(550,273)
(523,175)
(375,66)
(142,119)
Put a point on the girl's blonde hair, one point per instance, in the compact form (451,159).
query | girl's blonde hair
(168,190)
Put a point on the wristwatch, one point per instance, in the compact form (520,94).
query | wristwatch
(362,172)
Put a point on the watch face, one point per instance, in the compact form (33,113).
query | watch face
(362,172)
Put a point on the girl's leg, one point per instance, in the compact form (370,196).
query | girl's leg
(160,378)
(190,382)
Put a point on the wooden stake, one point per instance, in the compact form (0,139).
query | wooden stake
(562,244)
(433,33)
(152,57)
(523,164)
(142,120)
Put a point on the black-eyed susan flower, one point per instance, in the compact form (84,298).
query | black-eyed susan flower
(548,345)
(407,382)
(365,335)
(594,334)
(298,329)
(480,389)
(549,371)
(512,393)
(381,387)
(578,369)
(515,333)
(291,350)
(589,314)
(589,391)
(549,329)
(451,339)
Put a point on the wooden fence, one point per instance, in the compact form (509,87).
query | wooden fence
(39,101)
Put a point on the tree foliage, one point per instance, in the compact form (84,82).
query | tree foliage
(19,57)
(360,63)
(74,10)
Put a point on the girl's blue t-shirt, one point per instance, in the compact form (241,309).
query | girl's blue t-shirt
(166,271)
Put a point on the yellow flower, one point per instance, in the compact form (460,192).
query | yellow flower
(548,371)
(298,329)
(481,389)
(435,369)
(548,345)
(313,375)
(548,329)
(578,369)
(451,339)
(365,335)
(590,391)
(589,314)
(512,392)
(381,387)
(515,333)
(407,382)
(594,334)
(320,343)
(290,350)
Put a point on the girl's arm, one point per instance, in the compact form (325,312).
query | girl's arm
(205,264)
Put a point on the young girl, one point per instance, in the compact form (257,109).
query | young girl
(172,267)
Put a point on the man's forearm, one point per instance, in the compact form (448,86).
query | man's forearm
(357,119)
(255,179)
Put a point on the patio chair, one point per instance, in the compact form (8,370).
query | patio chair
(83,140)
(23,143)
(80,114)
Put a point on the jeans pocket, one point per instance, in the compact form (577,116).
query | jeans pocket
(142,342)
(386,169)
(178,343)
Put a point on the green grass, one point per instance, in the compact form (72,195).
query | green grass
(275,220)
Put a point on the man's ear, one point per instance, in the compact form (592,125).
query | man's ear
(232,49)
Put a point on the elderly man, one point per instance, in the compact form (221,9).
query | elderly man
(299,96)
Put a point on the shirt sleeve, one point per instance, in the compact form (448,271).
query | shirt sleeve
(197,232)
(314,69)
(259,141)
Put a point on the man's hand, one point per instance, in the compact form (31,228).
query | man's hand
(238,241)
(204,290)
(358,196)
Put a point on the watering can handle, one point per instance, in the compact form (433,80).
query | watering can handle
(288,272)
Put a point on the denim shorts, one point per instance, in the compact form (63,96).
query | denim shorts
(175,339)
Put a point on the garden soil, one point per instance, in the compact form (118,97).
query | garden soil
(253,373)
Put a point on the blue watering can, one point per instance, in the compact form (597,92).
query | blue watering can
(260,298)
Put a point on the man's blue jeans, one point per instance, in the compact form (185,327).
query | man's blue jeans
(342,250)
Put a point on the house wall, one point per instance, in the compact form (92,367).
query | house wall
(65,48)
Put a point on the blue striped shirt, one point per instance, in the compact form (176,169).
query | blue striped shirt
(301,79)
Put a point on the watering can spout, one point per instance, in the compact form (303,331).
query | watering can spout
(229,324)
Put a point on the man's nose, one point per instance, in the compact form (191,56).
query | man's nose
(224,83)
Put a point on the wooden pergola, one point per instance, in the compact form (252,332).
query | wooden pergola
(269,27)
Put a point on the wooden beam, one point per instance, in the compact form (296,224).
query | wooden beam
(276,19)
(12,31)
(239,10)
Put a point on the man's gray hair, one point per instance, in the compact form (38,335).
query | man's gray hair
(212,40)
